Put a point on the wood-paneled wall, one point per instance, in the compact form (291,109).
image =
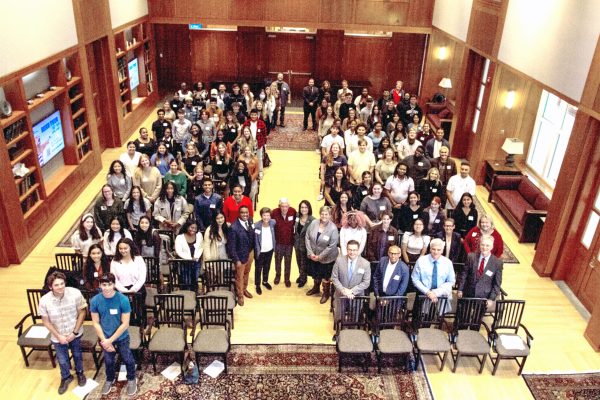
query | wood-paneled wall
(591,93)
(396,15)
(250,53)
(486,25)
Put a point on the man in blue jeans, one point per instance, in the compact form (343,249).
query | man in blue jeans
(110,314)
(63,311)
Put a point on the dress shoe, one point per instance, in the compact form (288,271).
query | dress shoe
(301,284)
(64,384)
(258,290)
(298,280)
(267,285)
(247,294)
(288,284)
(240,301)
(277,280)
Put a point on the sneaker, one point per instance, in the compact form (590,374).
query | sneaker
(107,387)
(64,384)
(132,387)
(267,285)
(81,379)
(320,197)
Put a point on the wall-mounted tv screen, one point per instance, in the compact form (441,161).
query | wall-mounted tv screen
(49,140)
(134,73)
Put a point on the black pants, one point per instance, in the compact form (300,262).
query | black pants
(262,264)
(313,113)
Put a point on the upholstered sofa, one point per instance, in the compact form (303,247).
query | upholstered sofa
(521,203)
(439,116)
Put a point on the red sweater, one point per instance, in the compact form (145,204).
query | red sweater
(471,242)
(284,227)
(261,132)
(231,209)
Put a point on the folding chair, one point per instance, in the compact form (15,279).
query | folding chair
(352,330)
(35,344)
(390,328)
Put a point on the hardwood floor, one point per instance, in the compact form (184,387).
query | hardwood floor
(288,316)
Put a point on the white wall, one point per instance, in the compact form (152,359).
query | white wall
(33,30)
(552,41)
(452,16)
(123,11)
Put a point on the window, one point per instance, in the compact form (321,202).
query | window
(551,134)
(592,224)
(482,87)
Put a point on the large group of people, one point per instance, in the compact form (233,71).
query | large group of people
(394,200)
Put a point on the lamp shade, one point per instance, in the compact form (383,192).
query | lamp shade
(513,146)
(446,83)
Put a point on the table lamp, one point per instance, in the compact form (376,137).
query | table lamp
(512,147)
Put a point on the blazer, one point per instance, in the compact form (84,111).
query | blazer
(182,248)
(258,235)
(374,241)
(179,213)
(456,248)
(431,143)
(438,223)
(326,247)
(361,276)
(300,233)
(488,285)
(397,284)
(240,242)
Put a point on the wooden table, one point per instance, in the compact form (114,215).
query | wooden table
(498,167)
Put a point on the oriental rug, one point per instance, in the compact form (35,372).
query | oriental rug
(564,386)
(292,137)
(307,372)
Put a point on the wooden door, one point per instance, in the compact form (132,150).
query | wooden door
(294,55)
(173,55)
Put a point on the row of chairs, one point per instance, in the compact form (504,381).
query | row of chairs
(393,333)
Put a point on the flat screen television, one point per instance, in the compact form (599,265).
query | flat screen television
(134,73)
(49,139)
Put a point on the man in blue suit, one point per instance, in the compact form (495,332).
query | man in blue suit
(392,275)
(240,246)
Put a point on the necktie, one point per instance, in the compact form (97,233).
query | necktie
(434,275)
(480,270)
(350,271)
(247,226)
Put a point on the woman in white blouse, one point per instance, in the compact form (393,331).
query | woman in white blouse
(215,239)
(129,269)
(113,235)
(87,235)
(131,158)
(415,244)
(353,228)
(188,245)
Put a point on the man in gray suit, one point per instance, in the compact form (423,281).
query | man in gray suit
(351,274)
(482,274)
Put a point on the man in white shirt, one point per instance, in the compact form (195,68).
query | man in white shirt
(408,146)
(392,275)
(360,161)
(433,274)
(181,130)
(331,138)
(458,185)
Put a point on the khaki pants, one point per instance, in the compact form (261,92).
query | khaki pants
(242,274)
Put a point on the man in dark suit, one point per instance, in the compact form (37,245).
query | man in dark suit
(408,110)
(391,275)
(452,244)
(240,244)
(310,95)
(482,275)
(351,274)
(433,145)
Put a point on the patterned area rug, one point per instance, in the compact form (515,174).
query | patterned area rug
(307,372)
(564,386)
(508,257)
(292,137)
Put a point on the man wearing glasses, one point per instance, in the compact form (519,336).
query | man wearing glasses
(391,275)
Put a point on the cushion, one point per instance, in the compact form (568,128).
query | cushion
(514,202)
(541,202)
(167,340)
(528,191)
(434,120)
(471,343)
(444,113)
(224,293)
(410,301)
(435,108)
(503,351)
(431,340)
(135,337)
(354,341)
(150,293)
(189,298)
(33,342)
(89,337)
(211,341)
(394,341)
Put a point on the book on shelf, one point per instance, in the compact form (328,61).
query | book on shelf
(14,130)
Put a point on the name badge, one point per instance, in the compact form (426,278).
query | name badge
(361,271)
(257,231)
(207,128)
(474,234)
(212,206)
(290,218)
(114,311)
(420,164)
(95,274)
(297,219)
(194,163)
(437,221)
(379,155)
(415,216)
(489,273)
(391,237)
(232,130)
(325,237)
(166,125)
(434,190)
(397,277)
(382,208)
(219,162)
(470,218)
(143,242)
(142,145)
(364,192)
(448,167)
(103,208)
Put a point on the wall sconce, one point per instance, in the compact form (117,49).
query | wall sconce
(442,53)
(509,102)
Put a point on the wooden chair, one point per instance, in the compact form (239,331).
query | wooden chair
(428,318)
(89,339)
(69,262)
(214,335)
(154,281)
(137,326)
(505,328)
(390,328)
(170,323)
(352,330)
(182,281)
(34,344)
(466,338)
(219,280)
